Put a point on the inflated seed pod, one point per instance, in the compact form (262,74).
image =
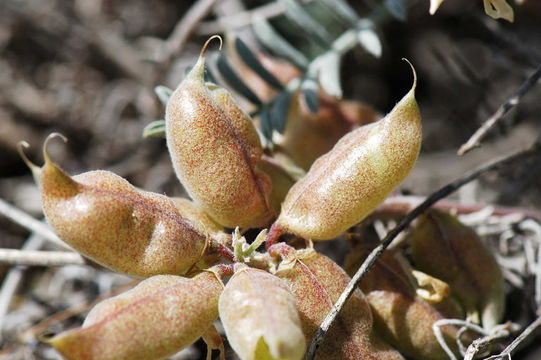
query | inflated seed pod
(308,136)
(346,184)
(282,181)
(445,248)
(317,282)
(215,151)
(154,320)
(260,318)
(107,219)
(401,316)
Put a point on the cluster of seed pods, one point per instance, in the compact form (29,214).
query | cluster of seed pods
(273,302)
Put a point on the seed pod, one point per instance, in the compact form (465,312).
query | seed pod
(215,151)
(282,181)
(401,316)
(107,219)
(309,136)
(445,248)
(154,320)
(260,318)
(346,184)
(317,282)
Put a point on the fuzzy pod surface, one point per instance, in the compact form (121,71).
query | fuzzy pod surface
(152,321)
(215,152)
(343,186)
(445,248)
(107,219)
(316,282)
(260,318)
(401,316)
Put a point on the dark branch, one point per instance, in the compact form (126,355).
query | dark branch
(475,140)
(371,259)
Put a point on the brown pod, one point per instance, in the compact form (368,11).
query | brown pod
(317,282)
(346,184)
(260,318)
(215,151)
(107,219)
(445,248)
(154,320)
(401,316)
(308,136)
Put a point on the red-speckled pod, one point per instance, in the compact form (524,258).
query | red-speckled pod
(154,320)
(215,151)
(401,316)
(316,282)
(107,219)
(346,184)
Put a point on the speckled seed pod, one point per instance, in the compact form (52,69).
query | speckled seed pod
(449,250)
(107,219)
(215,151)
(401,316)
(154,320)
(317,282)
(307,136)
(260,318)
(346,184)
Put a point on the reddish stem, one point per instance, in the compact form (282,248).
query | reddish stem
(273,235)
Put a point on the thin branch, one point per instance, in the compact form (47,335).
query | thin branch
(481,344)
(475,140)
(186,26)
(40,258)
(13,279)
(241,19)
(436,328)
(28,222)
(400,205)
(511,348)
(406,221)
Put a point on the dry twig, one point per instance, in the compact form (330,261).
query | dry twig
(425,205)
(40,258)
(511,348)
(185,27)
(28,222)
(475,140)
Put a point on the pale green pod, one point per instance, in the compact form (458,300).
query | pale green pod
(260,318)
(346,184)
(215,152)
(152,321)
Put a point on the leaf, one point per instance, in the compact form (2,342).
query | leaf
(342,9)
(163,93)
(253,63)
(310,92)
(155,129)
(235,81)
(329,74)
(280,110)
(275,42)
(265,124)
(297,14)
(499,9)
(369,39)
(397,8)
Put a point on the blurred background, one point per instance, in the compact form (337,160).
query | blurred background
(88,68)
